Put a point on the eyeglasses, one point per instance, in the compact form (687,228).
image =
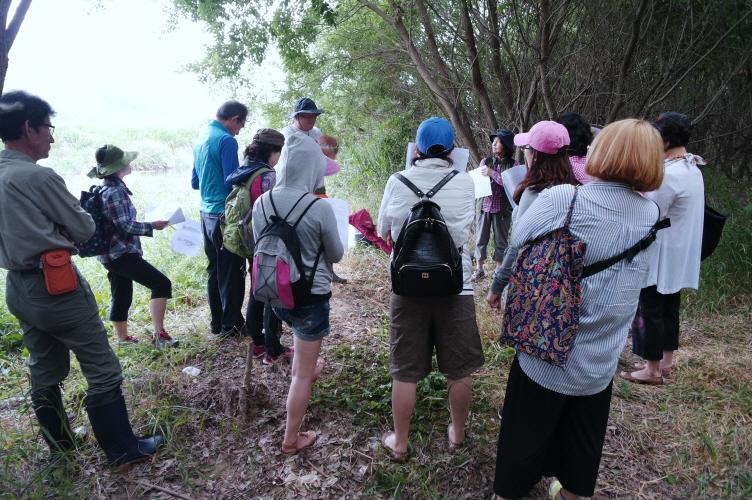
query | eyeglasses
(50,129)
(333,148)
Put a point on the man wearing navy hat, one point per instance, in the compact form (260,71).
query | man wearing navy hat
(304,113)
(497,210)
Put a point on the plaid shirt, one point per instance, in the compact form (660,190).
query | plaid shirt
(498,201)
(121,221)
(578,167)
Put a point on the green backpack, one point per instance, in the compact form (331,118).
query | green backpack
(237,231)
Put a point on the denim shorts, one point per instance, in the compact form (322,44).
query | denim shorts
(307,322)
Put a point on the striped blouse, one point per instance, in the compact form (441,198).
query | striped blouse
(609,217)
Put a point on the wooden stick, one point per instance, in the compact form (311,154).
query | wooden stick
(164,490)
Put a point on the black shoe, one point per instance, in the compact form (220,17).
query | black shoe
(501,411)
(48,406)
(109,421)
(235,333)
(337,279)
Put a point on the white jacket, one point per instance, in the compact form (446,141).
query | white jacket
(456,199)
(681,198)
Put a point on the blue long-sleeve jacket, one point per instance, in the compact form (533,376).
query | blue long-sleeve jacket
(215,156)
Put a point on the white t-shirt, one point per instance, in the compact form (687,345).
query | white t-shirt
(314,133)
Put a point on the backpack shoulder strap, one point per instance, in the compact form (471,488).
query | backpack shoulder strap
(409,184)
(432,191)
(441,184)
(305,210)
(630,253)
(254,175)
(571,208)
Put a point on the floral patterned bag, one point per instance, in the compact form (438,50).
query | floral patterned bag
(544,295)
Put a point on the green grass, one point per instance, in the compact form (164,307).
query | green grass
(726,276)
(159,149)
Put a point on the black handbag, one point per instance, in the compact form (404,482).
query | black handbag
(712,227)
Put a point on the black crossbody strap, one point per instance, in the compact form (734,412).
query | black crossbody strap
(432,191)
(630,253)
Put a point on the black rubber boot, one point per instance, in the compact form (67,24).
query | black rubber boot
(109,421)
(48,406)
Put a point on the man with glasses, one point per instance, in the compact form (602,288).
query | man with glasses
(38,214)
(305,113)
(215,156)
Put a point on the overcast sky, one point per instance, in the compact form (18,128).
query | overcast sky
(112,65)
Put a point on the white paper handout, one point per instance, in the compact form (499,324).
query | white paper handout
(342,216)
(459,156)
(511,177)
(171,213)
(482,183)
(188,238)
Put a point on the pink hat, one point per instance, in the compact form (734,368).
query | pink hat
(546,137)
(332,167)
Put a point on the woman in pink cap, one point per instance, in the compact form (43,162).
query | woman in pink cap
(547,159)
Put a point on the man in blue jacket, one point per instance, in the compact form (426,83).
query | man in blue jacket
(215,156)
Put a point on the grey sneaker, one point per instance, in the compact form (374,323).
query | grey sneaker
(477,274)
(163,339)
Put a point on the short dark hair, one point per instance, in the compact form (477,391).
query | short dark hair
(445,157)
(580,133)
(675,128)
(261,151)
(34,109)
(547,170)
(232,108)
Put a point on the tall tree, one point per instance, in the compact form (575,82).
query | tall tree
(8,32)
(484,63)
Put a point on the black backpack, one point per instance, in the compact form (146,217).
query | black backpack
(99,243)
(426,262)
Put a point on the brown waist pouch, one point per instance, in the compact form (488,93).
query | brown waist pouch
(59,275)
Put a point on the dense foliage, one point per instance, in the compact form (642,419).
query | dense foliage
(486,64)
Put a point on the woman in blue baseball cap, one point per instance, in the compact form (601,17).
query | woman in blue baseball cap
(444,324)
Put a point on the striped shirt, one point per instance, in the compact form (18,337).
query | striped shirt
(122,226)
(609,217)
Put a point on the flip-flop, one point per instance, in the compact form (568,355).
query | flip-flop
(664,371)
(452,445)
(292,450)
(649,381)
(394,456)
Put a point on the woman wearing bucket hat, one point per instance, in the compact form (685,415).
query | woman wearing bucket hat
(545,147)
(123,260)
(444,324)
(496,210)
(305,113)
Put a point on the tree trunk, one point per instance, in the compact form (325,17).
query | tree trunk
(8,33)
(472,53)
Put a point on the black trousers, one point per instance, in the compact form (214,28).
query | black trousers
(546,433)
(260,316)
(225,285)
(660,317)
(126,269)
